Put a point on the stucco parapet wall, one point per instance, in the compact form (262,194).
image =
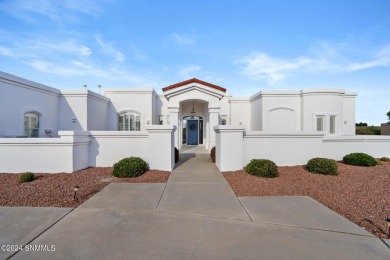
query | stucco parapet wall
(262,134)
(274,93)
(357,138)
(239,100)
(119,134)
(129,91)
(85,93)
(160,128)
(350,94)
(27,84)
(229,128)
(322,91)
(43,141)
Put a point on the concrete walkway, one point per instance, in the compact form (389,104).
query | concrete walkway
(197,216)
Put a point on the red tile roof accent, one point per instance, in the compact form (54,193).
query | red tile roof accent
(193,80)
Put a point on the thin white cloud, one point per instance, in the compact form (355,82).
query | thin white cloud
(258,65)
(68,46)
(42,47)
(7,52)
(58,11)
(189,71)
(81,69)
(108,49)
(183,38)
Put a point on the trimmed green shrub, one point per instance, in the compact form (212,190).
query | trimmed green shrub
(262,168)
(322,166)
(212,154)
(129,167)
(176,155)
(26,177)
(384,159)
(359,159)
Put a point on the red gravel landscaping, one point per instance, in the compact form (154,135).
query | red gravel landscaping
(56,190)
(360,194)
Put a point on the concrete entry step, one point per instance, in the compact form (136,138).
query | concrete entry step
(193,149)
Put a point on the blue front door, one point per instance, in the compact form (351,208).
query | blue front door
(192,126)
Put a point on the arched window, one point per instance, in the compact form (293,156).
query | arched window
(31,124)
(129,121)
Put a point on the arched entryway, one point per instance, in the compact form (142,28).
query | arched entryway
(193,122)
(192,130)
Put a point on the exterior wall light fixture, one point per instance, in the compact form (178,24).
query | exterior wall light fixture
(193,113)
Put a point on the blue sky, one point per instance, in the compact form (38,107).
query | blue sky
(244,46)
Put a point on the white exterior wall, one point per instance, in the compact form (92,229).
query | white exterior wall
(108,147)
(283,149)
(18,96)
(240,112)
(138,100)
(97,107)
(256,108)
(281,111)
(224,112)
(65,154)
(322,102)
(290,149)
(349,117)
(73,105)
(336,147)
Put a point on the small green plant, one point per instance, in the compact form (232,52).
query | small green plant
(177,157)
(26,177)
(322,166)
(384,159)
(212,154)
(129,167)
(359,159)
(262,168)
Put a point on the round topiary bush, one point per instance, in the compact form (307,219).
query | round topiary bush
(322,165)
(212,154)
(129,167)
(262,168)
(26,177)
(384,159)
(359,159)
(176,155)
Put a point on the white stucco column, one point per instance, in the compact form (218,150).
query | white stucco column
(161,151)
(214,121)
(229,147)
(174,120)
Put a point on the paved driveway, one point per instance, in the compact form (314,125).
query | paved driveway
(197,216)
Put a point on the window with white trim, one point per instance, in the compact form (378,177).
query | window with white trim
(31,124)
(332,125)
(129,121)
(320,123)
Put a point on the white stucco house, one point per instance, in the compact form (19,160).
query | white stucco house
(71,130)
